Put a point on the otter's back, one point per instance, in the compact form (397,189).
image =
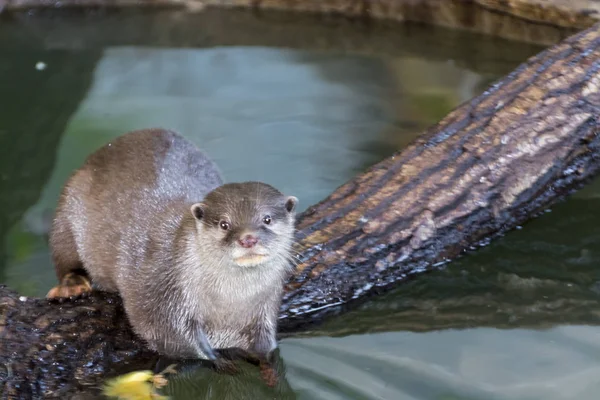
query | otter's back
(157,162)
(129,186)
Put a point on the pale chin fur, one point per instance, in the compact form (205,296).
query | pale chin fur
(251,260)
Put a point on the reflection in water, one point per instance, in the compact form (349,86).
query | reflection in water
(205,384)
(482,364)
(307,121)
(34,112)
(296,120)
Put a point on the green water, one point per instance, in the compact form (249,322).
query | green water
(305,104)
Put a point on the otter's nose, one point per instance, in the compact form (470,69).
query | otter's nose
(248,241)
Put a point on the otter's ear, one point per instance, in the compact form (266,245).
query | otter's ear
(290,203)
(197,210)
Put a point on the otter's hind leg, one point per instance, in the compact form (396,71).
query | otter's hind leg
(72,277)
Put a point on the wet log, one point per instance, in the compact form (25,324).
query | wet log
(493,163)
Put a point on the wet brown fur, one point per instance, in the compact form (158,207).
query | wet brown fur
(142,217)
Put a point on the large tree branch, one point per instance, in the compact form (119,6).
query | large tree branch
(491,164)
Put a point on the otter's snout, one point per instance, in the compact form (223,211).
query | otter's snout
(249,252)
(248,241)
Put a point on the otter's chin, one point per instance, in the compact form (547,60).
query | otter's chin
(250,260)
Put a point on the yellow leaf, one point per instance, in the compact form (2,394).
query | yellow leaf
(133,386)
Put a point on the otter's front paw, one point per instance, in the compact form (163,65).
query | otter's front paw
(70,287)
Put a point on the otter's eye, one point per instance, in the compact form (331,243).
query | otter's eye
(224,225)
(267,219)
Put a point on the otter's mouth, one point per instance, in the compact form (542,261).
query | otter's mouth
(250,259)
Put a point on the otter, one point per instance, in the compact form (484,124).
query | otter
(200,265)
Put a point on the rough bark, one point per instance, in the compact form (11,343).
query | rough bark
(537,21)
(491,164)
(487,167)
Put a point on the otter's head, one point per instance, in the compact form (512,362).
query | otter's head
(246,224)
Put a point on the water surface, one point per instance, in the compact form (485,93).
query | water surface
(305,104)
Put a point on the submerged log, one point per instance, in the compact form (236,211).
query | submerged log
(528,141)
